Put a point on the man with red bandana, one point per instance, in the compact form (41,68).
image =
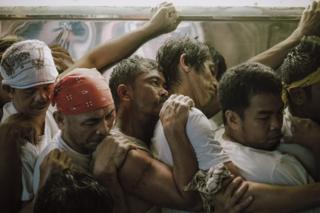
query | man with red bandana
(85,116)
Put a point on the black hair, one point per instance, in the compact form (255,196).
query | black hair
(240,83)
(168,57)
(127,71)
(70,190)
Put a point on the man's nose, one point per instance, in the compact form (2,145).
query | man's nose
(103,129)
(42,96)
(164,92)
(276,123)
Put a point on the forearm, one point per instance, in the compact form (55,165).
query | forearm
(271,198)
(185,163)
(113,51)
(274,56)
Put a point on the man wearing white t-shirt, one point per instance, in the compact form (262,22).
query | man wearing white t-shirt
(250,98)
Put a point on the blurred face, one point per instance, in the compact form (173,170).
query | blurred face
(83,132)
(203,85)
(261,125)
(149,92)
(34,100)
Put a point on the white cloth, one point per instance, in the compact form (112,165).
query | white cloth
(216,121)
(30,152)
(304,155)
(201,135)
(28,63)
(81,161)
(264,166)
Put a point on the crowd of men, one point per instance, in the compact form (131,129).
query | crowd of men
(177,134)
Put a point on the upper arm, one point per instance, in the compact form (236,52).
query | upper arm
(150,180)
(201,135)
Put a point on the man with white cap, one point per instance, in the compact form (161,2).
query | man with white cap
(29,73)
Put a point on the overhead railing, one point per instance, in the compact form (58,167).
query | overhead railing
(187,13)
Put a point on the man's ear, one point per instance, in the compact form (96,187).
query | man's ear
(59,118)
(8,90)
(298,96)
(183,63)
(233,120)
(124,92)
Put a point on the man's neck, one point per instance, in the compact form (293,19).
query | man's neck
(231,136)
(136,124)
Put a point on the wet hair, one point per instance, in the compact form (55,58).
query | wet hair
(302,60)
(168,57)
(220,66)
(239,84)
(7,41)
(70,190)
(127,71)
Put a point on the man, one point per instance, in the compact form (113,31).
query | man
(138,91)
(252,131)
(85,115)
(274,57)
(28,73)
(30,92)
(301,76)
(184,61)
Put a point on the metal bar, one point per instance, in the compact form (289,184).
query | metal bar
(143,13)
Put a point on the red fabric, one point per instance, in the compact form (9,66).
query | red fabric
(82,91)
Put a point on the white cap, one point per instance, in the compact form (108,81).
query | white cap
(27,64)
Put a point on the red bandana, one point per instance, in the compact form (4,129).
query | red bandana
(83,90)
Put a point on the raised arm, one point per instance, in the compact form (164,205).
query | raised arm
(309,25)
(163,21)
